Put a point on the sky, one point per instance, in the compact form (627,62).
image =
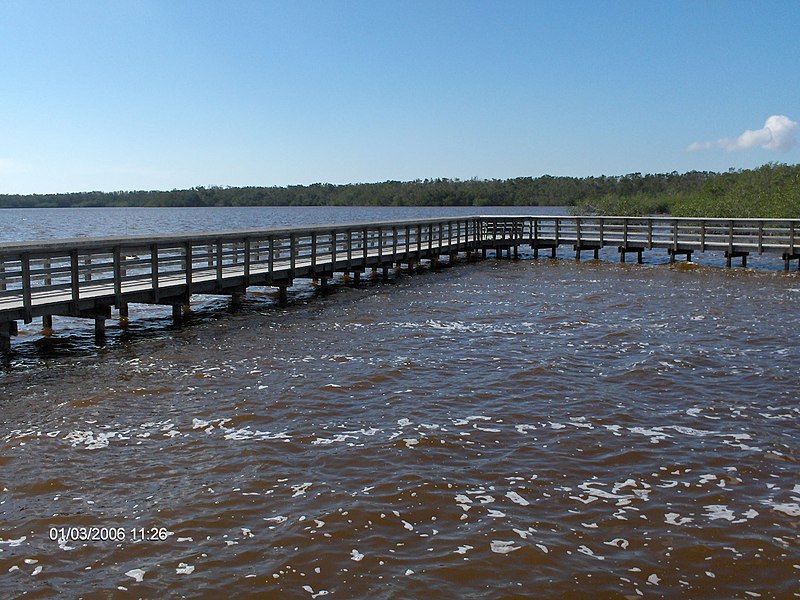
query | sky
(139,95)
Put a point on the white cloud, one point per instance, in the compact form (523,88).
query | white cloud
(778,133)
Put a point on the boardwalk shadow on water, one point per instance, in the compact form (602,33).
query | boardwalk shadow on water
(498,429)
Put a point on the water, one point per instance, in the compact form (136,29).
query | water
(54,223)
(492,430)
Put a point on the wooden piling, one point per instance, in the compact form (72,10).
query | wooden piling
(99,326)
(123,315)
(7,329)
(731,254)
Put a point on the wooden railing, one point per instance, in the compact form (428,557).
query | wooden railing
(71,276)
(85,277)
(756,235)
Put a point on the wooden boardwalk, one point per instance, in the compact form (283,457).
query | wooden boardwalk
(87,277)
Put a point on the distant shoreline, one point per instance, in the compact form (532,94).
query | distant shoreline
(771,191)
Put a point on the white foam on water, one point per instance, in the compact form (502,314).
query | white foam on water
(503,546)
(790,508)
(719,511)
(588,552)
(184,569)
(356,555)
(278,519)
(676,519)
(516,498)
(137,574)
(522,533)
(314,594)
(300,489)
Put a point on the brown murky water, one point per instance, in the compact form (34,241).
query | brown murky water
(492,430)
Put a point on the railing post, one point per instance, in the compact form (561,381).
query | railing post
(2,276)
(47,266)
(364,239)
(292,254)
(87,262)
(117,258)
(188,263)
(760,237)
(349,248)
(333,250)
(674,234)
(27,301)
(650,234)
(247,248)
(74,271)
(218,263)
(730,236)
(154,271)
(702,235)
(271,260)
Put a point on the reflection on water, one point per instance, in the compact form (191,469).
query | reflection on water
(493,430)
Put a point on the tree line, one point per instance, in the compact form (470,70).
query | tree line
(769,191)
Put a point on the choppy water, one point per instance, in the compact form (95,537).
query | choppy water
(492,430)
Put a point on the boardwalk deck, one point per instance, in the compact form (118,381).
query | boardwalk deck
(86,277)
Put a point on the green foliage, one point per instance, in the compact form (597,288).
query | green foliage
(637,205)
(770,191)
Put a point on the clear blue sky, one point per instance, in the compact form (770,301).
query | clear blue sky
(110,95)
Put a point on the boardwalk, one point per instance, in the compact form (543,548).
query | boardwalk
(87,277)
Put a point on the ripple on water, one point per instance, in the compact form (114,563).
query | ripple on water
(499,429)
